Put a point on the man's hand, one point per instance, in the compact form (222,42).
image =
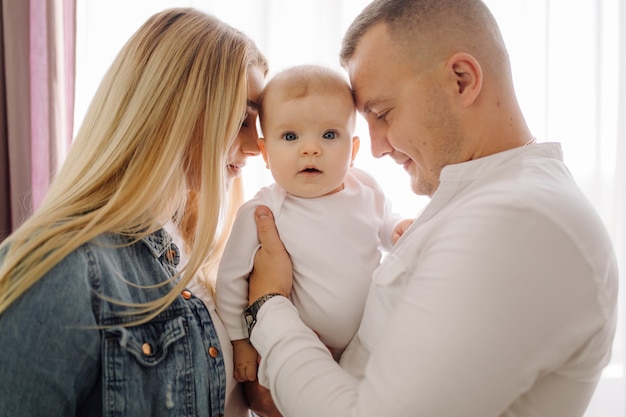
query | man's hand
(272,272)
(260,400)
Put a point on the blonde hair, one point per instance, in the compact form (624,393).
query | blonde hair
(302,80)
(175,94)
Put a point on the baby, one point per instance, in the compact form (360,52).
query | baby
(332,218)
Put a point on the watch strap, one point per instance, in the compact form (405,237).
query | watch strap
(250,312)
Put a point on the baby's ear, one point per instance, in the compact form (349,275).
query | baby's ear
(356,142)
(261,143)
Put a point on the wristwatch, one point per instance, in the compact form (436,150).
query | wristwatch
(250,312)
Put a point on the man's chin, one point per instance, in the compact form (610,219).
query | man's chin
(421,187)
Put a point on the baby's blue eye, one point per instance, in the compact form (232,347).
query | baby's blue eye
(289,136)
(330,135)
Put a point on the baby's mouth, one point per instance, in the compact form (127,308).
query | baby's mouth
(310,168)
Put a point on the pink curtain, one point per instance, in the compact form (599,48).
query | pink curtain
(37,106)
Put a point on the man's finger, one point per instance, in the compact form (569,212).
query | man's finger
(260,400)
(272,271)
(266,228)
(265,223)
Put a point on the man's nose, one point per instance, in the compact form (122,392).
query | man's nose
(379,143)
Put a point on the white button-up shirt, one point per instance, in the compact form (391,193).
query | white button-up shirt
(500,300)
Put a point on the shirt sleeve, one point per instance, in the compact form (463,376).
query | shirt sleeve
(231,288)
(468,330)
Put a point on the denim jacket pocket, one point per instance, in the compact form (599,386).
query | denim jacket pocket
(149,369)
(149,343)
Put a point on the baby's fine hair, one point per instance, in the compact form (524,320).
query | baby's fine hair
(302,80)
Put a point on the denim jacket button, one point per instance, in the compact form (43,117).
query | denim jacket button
(213,352)
(146,348)
(186,294)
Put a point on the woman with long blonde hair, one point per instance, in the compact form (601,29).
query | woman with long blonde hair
(95,317)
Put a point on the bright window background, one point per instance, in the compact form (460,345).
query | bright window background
(566,59)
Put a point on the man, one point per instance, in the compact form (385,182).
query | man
(500,300)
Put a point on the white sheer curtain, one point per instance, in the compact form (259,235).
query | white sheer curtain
(570,73)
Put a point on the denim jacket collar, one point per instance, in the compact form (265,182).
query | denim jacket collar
(159,243)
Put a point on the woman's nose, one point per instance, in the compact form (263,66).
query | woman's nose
(249,145)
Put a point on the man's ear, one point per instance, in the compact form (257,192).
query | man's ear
(356,142)
(261,143)
(468,76)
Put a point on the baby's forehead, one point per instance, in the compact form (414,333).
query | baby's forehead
(284,90)
(316,111)
(317,100)
(299,80)
(295,93)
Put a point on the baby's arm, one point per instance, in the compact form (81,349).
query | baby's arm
(245,358)
(231,291)
(400,229)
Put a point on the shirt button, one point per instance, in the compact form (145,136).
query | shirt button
(186,294)
(170,255)
(213,352)
(146,348)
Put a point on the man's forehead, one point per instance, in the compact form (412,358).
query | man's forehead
(357,77)
(367,67)
(364,89)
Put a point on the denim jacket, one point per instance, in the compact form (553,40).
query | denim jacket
(56,361)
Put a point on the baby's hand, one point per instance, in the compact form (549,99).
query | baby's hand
(400,229)
(245,358)
(245,371)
